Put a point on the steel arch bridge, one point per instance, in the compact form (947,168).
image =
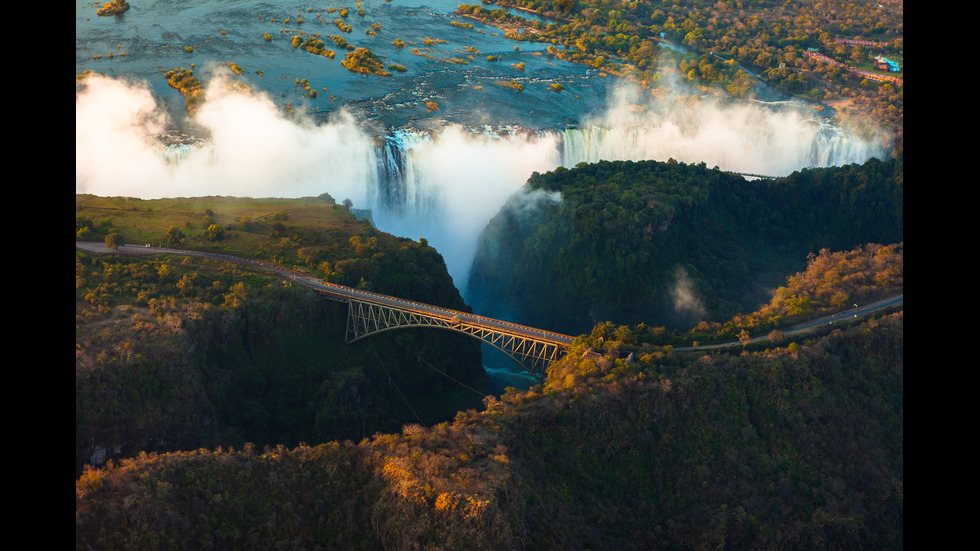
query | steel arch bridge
(371,313)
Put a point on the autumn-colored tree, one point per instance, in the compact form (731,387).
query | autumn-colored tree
(115,7)
(797,305)
(744,338)
(166,274)
(236,295)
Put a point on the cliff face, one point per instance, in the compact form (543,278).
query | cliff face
(668,243)
(283,370)
(255,363)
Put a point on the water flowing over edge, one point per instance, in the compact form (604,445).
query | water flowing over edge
(444,185)
(394,177)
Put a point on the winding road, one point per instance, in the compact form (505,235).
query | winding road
(339,292)
(855,312)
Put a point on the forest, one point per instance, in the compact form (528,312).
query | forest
(174,353)
(669,243)
(786,448)
(217,408)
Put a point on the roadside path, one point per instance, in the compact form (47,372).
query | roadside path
(343,291)
(831,319)
(340,291)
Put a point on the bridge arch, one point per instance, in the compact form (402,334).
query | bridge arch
(534,354)
(369,313)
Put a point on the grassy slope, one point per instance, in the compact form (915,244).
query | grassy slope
(142,221)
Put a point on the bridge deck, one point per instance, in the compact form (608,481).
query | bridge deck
(346,294)
(370,312)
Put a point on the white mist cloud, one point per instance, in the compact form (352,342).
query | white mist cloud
(466,179)
(253,150)
(528,202)
(115,125)
(748,137)
(682,294)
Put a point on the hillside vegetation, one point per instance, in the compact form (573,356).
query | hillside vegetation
(667,243)
(235,418)
(833,281)
(786,448)
(173,352)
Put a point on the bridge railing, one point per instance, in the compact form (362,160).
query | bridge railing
(337,290)
(347,293)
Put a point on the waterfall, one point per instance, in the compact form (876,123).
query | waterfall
(401,186)
(447,186)
(773,151)
(407,173)
(173,154)
(832,147)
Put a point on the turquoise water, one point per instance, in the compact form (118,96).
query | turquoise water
(154,35)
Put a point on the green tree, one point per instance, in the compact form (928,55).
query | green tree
(114,241)
(566,6)
(175,236)
(215,232)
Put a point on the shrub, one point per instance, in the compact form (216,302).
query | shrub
(116,7)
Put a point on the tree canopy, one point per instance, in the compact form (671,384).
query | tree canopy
(670,243)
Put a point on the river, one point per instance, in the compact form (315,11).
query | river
(452,71)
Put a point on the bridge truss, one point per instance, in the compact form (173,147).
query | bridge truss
(365,318)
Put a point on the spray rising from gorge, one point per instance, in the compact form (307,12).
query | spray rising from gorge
(443,185)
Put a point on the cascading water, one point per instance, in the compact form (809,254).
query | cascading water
(400,186)
(446,186)
(772,152)
(831,147)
